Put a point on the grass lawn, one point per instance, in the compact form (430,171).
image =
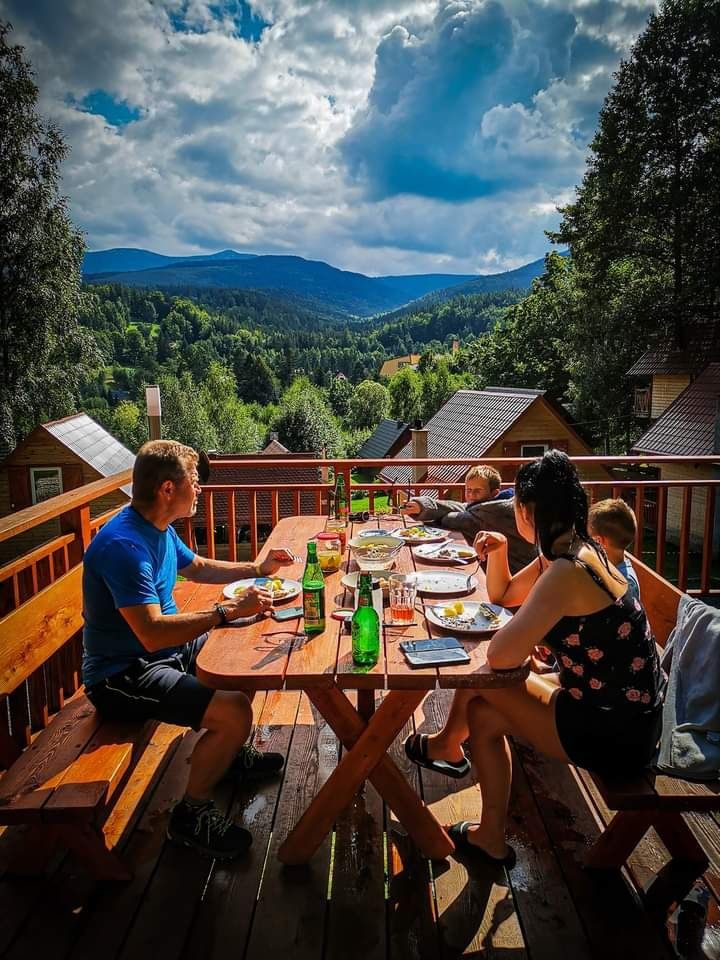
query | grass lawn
(382,503)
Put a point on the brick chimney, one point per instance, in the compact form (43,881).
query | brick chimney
(419,440)
(455,346)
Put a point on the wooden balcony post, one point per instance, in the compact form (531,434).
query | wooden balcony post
(210,523)
(684,538)
(640,520)
(232,528)
(660,536)
(709,528)
(77,521)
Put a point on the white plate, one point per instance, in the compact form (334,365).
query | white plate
(291,588)
(473,619)
(447,553)
(444,583)
(350,580)
(419,533)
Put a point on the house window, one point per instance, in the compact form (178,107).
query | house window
(533,449)
(641,406)
(45,482)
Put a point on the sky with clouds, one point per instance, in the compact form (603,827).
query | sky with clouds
(384,136)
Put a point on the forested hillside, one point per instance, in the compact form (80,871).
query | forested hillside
(255,349)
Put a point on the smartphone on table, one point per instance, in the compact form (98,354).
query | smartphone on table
(286,613)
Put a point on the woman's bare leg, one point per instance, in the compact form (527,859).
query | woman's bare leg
(527,711)
(447,743)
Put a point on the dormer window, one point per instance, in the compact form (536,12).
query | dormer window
(533,449)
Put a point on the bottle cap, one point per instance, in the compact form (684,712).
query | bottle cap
(326,536)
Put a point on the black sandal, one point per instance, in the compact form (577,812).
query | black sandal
(458,834)
(416,750)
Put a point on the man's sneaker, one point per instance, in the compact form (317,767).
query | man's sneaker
(206,830)
(252,764)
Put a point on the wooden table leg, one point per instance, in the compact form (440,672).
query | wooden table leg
(366,704)
(366,758)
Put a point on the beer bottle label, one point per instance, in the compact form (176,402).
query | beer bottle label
(312,607)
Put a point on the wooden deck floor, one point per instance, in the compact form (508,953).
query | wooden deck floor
(366,894)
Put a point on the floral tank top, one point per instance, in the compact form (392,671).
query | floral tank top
(608,659)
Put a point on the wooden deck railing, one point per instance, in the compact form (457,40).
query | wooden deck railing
(38,567)
(665,542)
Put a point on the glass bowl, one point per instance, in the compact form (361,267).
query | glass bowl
(375,553)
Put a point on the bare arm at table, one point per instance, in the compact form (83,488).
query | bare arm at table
(157,630)
(512,644)
(204,570)
(502,586)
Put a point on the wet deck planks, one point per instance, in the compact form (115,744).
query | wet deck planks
(366,892)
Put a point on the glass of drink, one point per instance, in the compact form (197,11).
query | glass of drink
(402,591)
(339,528)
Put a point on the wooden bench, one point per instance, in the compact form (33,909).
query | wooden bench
(80,783)
(629,807)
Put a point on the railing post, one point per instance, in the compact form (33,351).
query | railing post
(252,517)
(708,531)
(232,528)
(684,538)
(639,520)
(210,524)
(661,531)
(78,521)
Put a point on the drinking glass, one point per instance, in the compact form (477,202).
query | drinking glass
(402,593)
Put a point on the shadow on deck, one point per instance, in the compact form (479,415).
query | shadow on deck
(366,893)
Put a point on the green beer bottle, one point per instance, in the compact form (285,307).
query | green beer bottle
(365,626)
(313,584)
(340,505)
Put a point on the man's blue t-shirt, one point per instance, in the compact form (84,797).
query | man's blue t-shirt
(130,562)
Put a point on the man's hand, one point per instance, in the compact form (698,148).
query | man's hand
(254,600)
(281,557)
(487,542)
(412,508)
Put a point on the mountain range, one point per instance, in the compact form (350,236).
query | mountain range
(316,284)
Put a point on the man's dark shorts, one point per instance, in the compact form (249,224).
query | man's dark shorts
(165,690)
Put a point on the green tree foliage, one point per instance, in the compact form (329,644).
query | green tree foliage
(648,210)
(405,390)
(185,417)
(368,405)
(234,426)
(340,392)
(44,355)
(304,422)
(128,422)
(529,347)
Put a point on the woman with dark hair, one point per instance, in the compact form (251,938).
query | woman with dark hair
(602,711)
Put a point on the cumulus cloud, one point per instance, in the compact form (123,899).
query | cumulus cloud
(380,135)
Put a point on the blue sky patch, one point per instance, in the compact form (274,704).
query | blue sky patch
(247,24)
(118,113)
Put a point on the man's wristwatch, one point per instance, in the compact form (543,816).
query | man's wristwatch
(222,612)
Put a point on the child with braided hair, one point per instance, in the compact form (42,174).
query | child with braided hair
(602,710)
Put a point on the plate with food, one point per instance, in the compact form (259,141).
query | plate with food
(444,583)
(380,579)
(468,616)
(445,553)
(420,534)
(280,588)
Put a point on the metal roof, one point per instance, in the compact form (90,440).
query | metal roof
(661,361)
(687,427)
(93,444)
(381,441)
(467,426)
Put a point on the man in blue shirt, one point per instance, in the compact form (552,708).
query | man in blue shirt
(139,653)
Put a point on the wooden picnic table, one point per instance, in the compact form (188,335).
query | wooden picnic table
(268,655)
